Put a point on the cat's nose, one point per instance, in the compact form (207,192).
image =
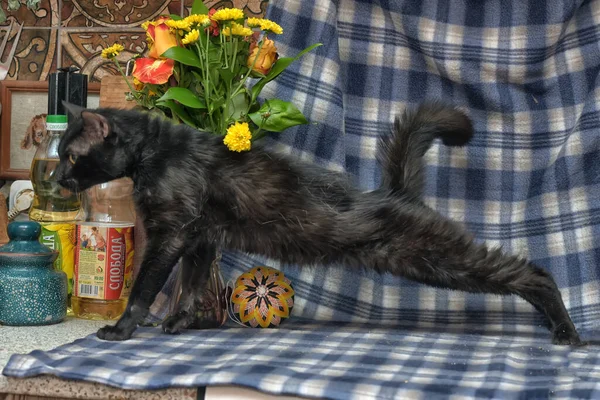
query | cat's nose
(69,183)
(65,182)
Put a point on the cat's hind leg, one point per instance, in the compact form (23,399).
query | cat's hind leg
(194,280)
(428,248)
(474,268)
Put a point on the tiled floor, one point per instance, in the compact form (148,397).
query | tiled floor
(73,32)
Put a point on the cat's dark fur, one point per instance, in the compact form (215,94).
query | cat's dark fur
(195,195)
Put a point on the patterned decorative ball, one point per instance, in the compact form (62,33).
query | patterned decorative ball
(262,297)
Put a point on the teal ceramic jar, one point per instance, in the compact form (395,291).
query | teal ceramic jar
(32,292)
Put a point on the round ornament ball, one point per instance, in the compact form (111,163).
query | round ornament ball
(262,297)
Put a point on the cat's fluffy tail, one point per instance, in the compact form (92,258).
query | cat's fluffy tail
(401,153)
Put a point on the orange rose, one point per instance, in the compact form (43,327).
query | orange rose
(266,58)
(161,37)
(153,70)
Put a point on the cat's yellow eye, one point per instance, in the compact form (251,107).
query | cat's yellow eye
(72,159)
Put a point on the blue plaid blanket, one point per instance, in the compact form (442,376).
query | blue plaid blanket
(527,71)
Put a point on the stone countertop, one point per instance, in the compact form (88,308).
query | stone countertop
(24,339)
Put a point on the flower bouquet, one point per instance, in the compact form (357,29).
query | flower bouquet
(207,70)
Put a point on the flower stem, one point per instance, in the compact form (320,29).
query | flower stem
(124,76)
(221,38)
(204,71)
(235,49)
(243,81)
(209,85)
(256,135)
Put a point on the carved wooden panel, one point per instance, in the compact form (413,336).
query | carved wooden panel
(73,32)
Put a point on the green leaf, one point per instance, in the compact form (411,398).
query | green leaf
(215,103)
(226,74)
(283,63)
(175,17)
(198,7)
(197,76)
(279,66)
(183,96)
(214,54)
(197,83)
(306,50)
(279,114)
(183,56)
(237,106)
(215,77)
(177,111)
(200,116)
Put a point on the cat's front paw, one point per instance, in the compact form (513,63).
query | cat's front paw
(113,333)
(566,337)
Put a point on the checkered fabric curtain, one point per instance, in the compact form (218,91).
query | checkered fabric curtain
(527,74)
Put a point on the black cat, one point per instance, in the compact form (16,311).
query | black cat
(195,195)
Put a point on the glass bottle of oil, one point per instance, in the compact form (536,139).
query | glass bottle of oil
(104,258)
(54,207)
(51,201)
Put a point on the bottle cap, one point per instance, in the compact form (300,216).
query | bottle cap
(69,85)
(56,122)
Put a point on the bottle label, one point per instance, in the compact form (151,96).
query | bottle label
(104,262)
(61,237)
(53,126)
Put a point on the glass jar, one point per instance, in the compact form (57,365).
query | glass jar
(32,292)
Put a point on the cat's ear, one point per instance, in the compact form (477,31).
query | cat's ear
(95,126)
(73,109)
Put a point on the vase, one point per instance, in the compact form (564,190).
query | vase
(211,310)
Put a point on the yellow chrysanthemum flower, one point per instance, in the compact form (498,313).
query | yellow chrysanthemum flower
(112,51)
(137,84)
(270,26)
(199,19)
(237,30)
(145,25)
(265,25)
(253,22)
(238,137)
(181,24)
(228,14)
(191,37)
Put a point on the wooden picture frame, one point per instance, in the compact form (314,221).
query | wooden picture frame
(22,103)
